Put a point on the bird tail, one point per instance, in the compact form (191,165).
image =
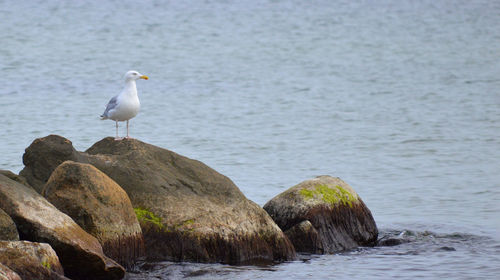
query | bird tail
(103,117)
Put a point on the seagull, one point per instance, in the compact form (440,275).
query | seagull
(125,105)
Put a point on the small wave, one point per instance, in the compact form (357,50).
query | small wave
(431,241)
(487,81)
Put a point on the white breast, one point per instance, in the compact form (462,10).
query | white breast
(127,104)
(127,108)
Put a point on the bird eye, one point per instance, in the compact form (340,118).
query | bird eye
(135,73)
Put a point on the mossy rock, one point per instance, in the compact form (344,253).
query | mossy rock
(323,215)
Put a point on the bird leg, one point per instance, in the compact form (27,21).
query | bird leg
(128,137)
(117,138)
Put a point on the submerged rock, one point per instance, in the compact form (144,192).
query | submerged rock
(8,230)
(8,274)
(187,210)
(323,215)
(31,260)
(37,220)
(100,206)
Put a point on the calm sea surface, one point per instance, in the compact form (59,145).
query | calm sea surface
(401,99)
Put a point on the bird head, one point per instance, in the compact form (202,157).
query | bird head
(134,75)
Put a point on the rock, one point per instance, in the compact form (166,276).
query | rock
(14,177)
(338,216)
(391,241)
(187,210)
(305,238)
(7,273)
(39,221)
(31,260)
(8,230)
(43,156)
(100,206)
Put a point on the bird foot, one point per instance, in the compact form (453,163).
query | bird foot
(127,137)
(118,138)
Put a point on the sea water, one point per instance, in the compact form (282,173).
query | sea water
(401,99)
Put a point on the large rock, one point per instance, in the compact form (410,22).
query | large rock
(187,210)
(31,260)
(8,230)
(37,220)
(8,274)
(200,214)
(323,215)
(100,206)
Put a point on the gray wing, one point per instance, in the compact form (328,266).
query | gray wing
(111,105)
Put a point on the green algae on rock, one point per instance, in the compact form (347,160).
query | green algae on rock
(331,195)
(146,216)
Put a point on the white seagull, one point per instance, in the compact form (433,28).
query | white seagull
(125,105)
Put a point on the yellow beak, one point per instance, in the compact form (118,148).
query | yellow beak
(144,77)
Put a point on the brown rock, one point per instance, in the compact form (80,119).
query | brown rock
(31,260)
(305,238)
(187,210)
(37,220)
(8,230)
(8,274)
(15,177)
(100,206)
(339,218)
(43,156)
